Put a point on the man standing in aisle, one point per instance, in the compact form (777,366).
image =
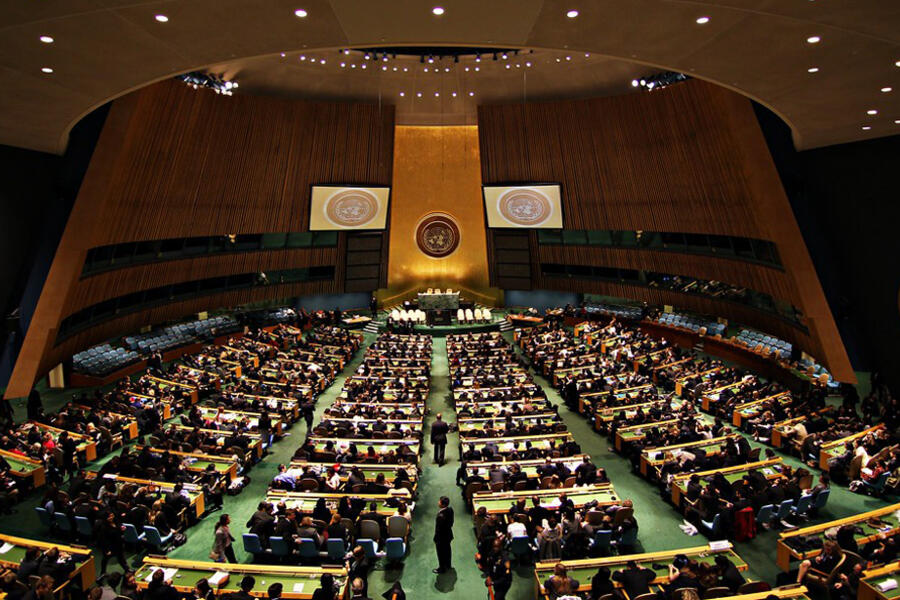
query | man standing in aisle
(439,431)
(443,534)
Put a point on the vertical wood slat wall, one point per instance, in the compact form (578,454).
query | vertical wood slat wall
(176,162)
(669,160)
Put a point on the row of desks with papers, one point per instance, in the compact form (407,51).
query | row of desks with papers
(731,474)
(636,433)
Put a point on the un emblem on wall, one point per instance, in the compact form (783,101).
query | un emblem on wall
(351,208)
(437,235)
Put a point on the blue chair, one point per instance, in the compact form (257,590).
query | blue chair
(44,517)
(714,527)
(155,540)
(62,522)
(627,541)
(520,547)
(765,514)
(336,549)
(822,499)
(131,536)
(804,504)
(369,546)
(279,547)
(877,488)
(308,550)
(84,528)
(784,511)
(394,549)
(602,542)
(252,544)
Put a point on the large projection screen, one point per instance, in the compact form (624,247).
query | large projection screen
(334,207)
(523,206)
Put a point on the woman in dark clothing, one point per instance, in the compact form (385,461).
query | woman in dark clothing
(335,530)
(321,511)
(601,584)
(109,538)
(327,590)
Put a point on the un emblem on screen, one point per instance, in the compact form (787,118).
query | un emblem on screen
(524,206)
(437,235)
(351,208)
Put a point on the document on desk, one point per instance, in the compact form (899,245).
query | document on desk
(6,547)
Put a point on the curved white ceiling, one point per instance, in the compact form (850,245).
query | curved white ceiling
(104,48)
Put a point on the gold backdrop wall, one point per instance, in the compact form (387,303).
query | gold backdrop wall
(437,170)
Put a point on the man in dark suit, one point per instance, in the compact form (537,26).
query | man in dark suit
(439,431)
(636,580)
(247,584)
(443,534)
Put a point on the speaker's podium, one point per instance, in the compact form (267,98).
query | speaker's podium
(438,316)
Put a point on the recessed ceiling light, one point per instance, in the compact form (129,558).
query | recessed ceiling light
(453,94)
(162,18)
(437,10)
(402,94)
(813,39)
(471,93)
(353,66)
(572,14)
(446,69)
(528,64)
(46,70)
(866,127)
(405,69)
(418,94)
(507,65)
(897,64)
(702,20)
(813,70)
(635,83)
(426,69)
(301,13)
(587,54)
(343,65)
(885,90)
(466,69)
(282,55)
(322,61)
(436,94)
(872,111)
(302,57)
(395,68)
(477,68)
(897,121)
(46,39)
(363,66)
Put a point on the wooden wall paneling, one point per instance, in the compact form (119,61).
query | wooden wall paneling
(176,162)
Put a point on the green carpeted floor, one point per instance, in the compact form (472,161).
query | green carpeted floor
(657,519)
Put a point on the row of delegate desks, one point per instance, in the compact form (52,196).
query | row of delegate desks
(254,450)
(12,553)
(873,578)
(370,471)
(636,433)
(86,446)
(229,416)
(652,459)
(589,401)
(873,523)
(499,503)
(528,467)
(381,446)
(305,502)
(835,448)
(25,469)
(604,415)
(506,445)
(198,462)
(299,583)
(583,570)
(731,474)
(753,408)
(195,494)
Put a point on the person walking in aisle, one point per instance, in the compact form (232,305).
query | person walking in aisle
(222,549)
(439,431)
(443,535)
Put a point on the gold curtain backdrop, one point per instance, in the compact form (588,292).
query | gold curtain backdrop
(437,170)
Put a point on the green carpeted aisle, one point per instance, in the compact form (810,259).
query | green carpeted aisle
(657,519)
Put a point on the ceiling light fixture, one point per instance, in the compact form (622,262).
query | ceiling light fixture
(363,66)
(437,11)
(302,57)
(635,83)
(47,70)
(504,56)
(702,20)
(46,39)
(162,18)
(871,111)
(453,94)
(885,90)
(897,121)
(471,93)
(418,94)
(813,70)
(477,68)
(528,64)
(572,14)
(466,69)
(343,65)
(436,94)
(866,127)
(301,13)
(402,94)
(813,39)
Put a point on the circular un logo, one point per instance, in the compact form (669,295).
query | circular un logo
(526,207)
(351,207)
(437,235)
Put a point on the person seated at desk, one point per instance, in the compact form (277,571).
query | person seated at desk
(825,562)
(560,584)
(57,565)
(681,575)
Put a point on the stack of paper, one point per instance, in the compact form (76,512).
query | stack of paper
(887,585)
(6,547)
(218,579)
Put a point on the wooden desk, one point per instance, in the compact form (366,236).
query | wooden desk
(370,471)
(86,445)
(305,502)
(732,474)
(25,468)
(653,458)
(192,391)
(499,503)
(784,553)
(129,430)
(84,569)
(195,494)
(508,444)
(198,462)
(834,448)
(529,467)
(583,570)
(634,433)
(872,577)
(750,409)
(300,583)
(524,321)
(255,448)
(229,415)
